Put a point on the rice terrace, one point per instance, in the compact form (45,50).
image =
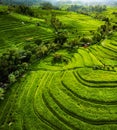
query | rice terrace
(58,65)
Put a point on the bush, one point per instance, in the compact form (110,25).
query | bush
(12,78)
(38,41)
(97,37)
(1,93)
(24,10)
(86,40)
(57,58)
(47,6)
(60,39)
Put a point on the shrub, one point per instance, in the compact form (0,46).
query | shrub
(57,58)
(12,78)
(38,41)
(60,39)
(24,10)
(86,40)
(1,93)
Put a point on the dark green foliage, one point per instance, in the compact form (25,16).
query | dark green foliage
(47,6)
(103,31)
(60,39)
(56,23)
(103,27)
(104,68)
(24,10)
(10,63)
(12,78)
(74,42)
(86,9)
(38,41)
(1,93)
(97,37)
(58,58)
(114,27)
(31,47)
(86,40)
(67,94)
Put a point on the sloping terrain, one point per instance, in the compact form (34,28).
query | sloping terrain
(80,95)
(16,29)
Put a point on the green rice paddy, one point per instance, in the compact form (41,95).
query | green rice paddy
(73,96)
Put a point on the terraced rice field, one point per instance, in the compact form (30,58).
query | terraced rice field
(82,23)
(62,100)
(68,97)
(14,33)
(73,98)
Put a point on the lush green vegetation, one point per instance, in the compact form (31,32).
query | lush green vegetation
(58,69)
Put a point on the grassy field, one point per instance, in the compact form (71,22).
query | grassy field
(79,24)
(17,29)
(80,95)
(61,100)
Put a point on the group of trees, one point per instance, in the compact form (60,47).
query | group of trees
(21,2)
(60,38)
(56,23)
(103,31)
(13,63)
(48,6)
(22,9)
(27,10)
(87,9)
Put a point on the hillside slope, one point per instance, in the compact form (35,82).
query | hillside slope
(77,95)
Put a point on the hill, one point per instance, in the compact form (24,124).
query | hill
(16,29)
(61,2)
(63,74)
